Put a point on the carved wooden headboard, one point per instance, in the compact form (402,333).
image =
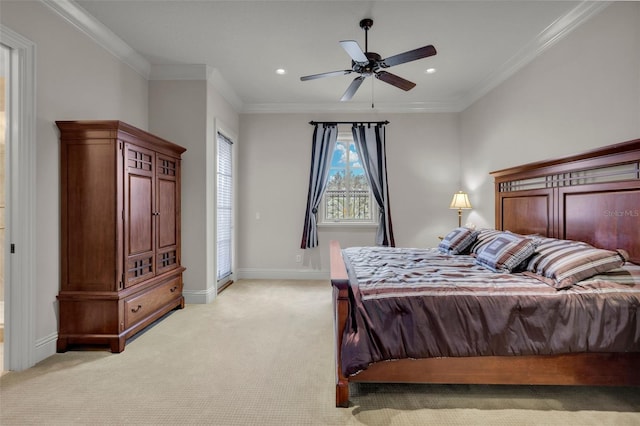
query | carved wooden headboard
(592,197)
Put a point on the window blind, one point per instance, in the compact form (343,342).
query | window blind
(224,205)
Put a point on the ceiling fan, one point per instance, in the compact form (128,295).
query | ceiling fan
(368,63)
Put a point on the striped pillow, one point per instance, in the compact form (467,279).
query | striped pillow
(457,241)
(485,236)
(505,252)
(627,274)
(562,263)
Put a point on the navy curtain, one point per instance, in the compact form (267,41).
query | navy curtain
(370,141)
(324,141)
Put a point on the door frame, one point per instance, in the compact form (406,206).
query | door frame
(20,267)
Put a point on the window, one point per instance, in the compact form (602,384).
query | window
(348,197)
(224,206)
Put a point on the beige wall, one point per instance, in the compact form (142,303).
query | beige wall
(177,111)
(186,112)
(75,80)
(79,80)
(581,94)
(274,160)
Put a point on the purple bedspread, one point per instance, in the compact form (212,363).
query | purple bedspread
(419,303)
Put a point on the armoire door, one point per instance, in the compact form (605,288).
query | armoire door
(167,213)
(139,214)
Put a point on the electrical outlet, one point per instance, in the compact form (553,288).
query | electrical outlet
(298,258)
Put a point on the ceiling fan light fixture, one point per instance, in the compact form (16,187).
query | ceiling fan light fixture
(371,64)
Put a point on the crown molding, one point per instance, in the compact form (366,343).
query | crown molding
(217,81)
(351,107)
(179,72)
(202,72)
(547,38)
(102,35)
(98,32)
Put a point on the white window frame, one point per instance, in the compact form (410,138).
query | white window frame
(347,138)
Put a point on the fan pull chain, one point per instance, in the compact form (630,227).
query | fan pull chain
(372,85)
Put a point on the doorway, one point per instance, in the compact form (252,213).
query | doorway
(19,192)
(4,95)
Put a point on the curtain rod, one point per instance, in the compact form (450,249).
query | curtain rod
(348,122)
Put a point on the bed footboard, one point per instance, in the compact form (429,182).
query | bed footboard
(340,284)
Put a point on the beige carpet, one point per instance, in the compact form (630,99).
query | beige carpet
(261,354)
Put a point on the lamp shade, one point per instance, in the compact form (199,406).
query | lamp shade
(460,201)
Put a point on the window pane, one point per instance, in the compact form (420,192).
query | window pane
(348,196)
(224,200)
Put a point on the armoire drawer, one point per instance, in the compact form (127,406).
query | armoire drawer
(140,306)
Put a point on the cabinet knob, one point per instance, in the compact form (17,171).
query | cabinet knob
(173,290)
(134,310)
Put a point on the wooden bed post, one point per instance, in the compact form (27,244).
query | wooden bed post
(340,283)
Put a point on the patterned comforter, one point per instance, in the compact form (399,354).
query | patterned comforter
(418,303)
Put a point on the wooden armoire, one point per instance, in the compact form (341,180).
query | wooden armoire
(120,232)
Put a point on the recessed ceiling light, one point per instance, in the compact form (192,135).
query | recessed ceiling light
(281,71)
(430,71)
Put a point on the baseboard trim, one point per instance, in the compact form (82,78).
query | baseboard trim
(281,274)
(45,347)
(208,295)
(199,296)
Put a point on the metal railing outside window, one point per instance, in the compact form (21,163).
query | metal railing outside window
(350,205)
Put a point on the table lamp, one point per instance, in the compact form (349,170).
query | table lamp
(460,201)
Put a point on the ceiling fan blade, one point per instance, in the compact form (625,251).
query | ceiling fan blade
(351,90)
(411,55)
(353,49)
(394,80)
(325,74)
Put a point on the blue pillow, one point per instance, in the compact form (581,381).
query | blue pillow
(458,240)
(505,252)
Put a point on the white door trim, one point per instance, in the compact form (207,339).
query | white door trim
(20,269)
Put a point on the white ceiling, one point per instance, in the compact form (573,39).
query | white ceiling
(479,44)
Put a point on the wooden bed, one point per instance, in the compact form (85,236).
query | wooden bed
(592,197)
